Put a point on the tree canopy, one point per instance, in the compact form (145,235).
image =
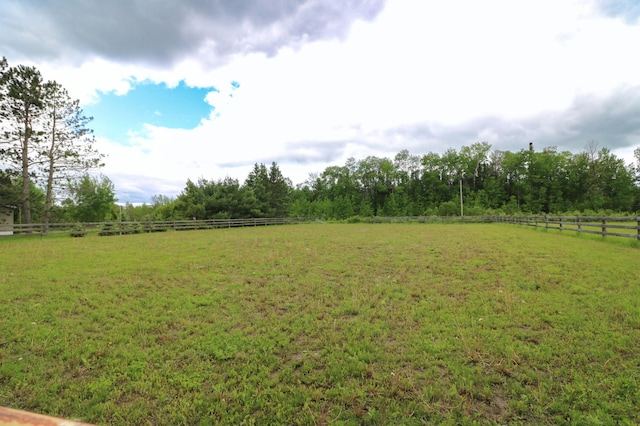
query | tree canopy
(492,182)
(91,199)
(44,136)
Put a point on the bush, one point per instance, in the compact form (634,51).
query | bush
(132,228)
(108,229)
(78,231)
(449,208)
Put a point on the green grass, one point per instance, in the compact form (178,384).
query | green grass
(322,324)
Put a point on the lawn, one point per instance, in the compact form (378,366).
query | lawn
(322,324)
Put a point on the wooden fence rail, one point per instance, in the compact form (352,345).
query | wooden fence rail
(628,227)
(122,228)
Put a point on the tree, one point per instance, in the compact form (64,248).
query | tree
(375,177)
(21,106)
(69,142)
(163,207)
(44,135)
(473,160)
(91,198)
(272,190)
(9,190)
(190,202)
(636,153)
(615,181)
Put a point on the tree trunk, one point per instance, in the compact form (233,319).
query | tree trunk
(49,199)
(26,204)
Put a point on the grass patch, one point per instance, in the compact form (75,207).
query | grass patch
(322,324)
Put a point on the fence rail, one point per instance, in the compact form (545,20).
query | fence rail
(422,219)
(123,228)
(627,227)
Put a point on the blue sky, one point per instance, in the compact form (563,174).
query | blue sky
(179,107)
(322,80)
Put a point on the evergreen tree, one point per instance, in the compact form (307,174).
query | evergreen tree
(21,107)
(68,142)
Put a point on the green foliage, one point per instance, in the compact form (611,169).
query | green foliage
(67,142)
(108,229)
(493,182)
(44,139)
(78,231)
(91,199)
(265,193)
(271,189)
(526,181)
(214,200)
(9,189)
(20,108)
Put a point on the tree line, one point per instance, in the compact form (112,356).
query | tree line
(46,146)
(529,181)
(488,181)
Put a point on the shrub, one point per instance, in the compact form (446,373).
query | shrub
(78,231)
(108,229)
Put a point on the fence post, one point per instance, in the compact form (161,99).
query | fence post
(579,224)
(561,223)
(604,226)
(638,222)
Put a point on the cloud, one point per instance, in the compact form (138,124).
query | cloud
(212,149)
(611,120)
(322,81)
(163,32)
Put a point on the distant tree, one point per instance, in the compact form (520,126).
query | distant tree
(207,199)
(272,190)
(91,199)
(67,148)
(163,207)
(615,180)
(10,193)
(44,136)
(375,177)
(190,204)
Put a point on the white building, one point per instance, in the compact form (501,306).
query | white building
(6,220)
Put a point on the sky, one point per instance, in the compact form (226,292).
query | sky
(196,89)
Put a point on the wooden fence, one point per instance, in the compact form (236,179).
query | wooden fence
(421,219)
(628,227)
(123,228)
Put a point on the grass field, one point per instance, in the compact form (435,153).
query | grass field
(322,324)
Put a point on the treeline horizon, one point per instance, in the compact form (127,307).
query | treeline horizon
(528,181)
(492,182)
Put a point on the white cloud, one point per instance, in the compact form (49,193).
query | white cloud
(420,75)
